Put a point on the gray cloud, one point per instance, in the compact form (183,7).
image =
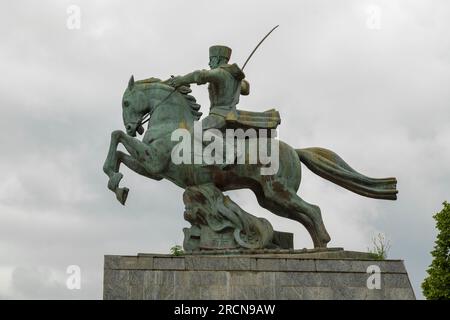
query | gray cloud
(378,98)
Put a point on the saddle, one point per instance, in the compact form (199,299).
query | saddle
(269,119)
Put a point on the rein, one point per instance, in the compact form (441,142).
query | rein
(154,108)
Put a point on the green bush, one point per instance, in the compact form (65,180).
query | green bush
(437,285)
(176,250)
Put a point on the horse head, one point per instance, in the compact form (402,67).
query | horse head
(134,107)
(145,96)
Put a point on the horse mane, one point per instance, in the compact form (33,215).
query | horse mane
(183,90)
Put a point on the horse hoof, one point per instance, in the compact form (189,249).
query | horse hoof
(122,194)
(113,182)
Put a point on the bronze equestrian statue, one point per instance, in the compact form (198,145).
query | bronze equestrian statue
(217,221)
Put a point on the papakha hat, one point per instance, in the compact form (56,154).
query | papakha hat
(220,51)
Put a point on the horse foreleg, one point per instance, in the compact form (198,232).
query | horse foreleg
(153,157)
(110,166)
(133,164)
(142,160)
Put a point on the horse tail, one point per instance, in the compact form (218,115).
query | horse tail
(330,166)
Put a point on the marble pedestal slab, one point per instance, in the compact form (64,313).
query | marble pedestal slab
(299,274)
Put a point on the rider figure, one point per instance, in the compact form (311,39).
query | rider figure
(226,84)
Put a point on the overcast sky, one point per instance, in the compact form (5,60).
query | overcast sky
(366,79)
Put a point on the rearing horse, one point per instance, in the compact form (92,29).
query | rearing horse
(171,109)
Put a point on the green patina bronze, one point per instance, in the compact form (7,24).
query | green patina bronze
(217,221)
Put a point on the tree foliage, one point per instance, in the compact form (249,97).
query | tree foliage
(437,284)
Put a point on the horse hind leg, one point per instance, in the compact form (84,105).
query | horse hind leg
(313,212)
(286,203)
(280,210)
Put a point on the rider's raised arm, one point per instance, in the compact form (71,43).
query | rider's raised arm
(202,77)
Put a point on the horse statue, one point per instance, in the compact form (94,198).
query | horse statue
(173,108)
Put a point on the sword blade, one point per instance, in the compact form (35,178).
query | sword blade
(251,54)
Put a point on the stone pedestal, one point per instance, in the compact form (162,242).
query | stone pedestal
(299,274)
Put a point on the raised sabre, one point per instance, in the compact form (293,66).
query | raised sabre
(262,40)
